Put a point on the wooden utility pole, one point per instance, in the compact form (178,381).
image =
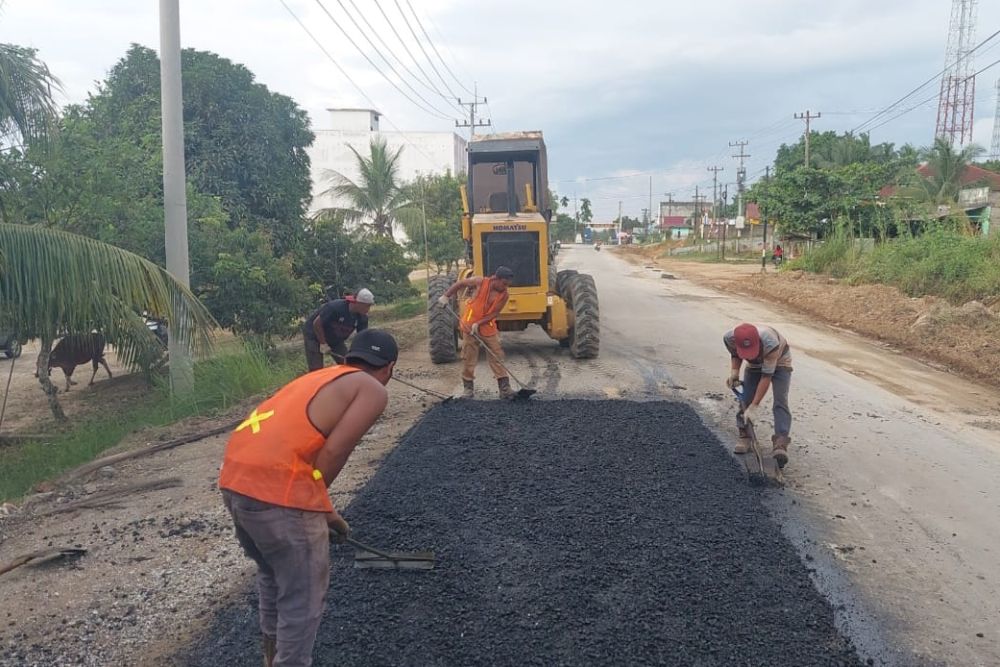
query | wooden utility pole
(807,116)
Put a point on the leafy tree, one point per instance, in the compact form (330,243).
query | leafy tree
(586,215)
(53,282)
(991,165)
(438,197)
(376,199)
(333,256)
(564,228)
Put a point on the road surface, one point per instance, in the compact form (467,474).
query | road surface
(891,492)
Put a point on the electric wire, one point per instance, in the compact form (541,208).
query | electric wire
(422,49)
(430,109)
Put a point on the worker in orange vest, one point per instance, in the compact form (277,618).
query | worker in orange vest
(277,466)
(478,324)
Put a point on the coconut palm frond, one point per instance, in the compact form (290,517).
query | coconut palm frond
(55,282)
(27,108)
(376,195)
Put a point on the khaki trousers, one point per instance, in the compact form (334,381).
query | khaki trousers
(470,356)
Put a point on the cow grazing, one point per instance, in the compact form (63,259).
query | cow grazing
(75,350)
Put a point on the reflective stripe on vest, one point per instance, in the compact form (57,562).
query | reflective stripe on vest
(271,454)
(479,305)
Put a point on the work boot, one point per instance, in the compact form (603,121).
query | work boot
(779,449)
(270,645)
(468,389)
(742,446)
(504,385)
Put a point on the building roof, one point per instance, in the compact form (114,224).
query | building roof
(374,111)
(973,174)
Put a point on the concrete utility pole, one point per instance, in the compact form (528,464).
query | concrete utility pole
(807,116)
(619,217)
(741,175)
(763,212)
(472,123)
(715,189)
(174,193)
(650,204)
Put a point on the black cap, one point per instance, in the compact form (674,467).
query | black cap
(375,347)
(504,273)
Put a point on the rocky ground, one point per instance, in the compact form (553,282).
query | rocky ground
(566,532)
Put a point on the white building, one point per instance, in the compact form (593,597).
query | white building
(423,152)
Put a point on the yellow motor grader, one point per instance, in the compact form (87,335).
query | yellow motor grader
(505,222)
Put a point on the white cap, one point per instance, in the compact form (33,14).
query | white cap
(365,295)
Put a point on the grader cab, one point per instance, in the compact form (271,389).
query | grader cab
(505,222)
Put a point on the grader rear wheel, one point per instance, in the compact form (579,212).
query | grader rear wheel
(584,340)
(442,334)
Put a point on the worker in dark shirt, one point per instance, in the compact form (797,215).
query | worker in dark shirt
(332,324)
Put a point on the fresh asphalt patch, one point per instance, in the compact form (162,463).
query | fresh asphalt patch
(569,532)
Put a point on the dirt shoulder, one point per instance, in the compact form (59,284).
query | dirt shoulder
(961,338)
(158,562)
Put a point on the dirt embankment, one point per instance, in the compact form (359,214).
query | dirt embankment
(963,338)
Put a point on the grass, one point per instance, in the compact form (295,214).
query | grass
(713,257)
(403,309)
(940,262)
(220,383)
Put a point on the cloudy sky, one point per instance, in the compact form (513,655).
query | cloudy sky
(623,90)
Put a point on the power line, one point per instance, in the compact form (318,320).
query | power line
(916,90)
(430,88)
(406,48)
(430,109)
(348,77)
(422,49)
(431,42)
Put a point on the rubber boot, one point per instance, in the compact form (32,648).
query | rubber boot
(779,449)
(270,646)
(504,385)
(468,389)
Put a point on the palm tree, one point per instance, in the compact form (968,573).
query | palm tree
(944,170)
(54,282)
(26,104)
(378,197)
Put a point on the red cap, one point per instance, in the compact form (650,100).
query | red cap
(747,340)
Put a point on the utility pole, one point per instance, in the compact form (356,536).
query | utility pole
(763,215)
(807,116)
(650,203)
(174,193)
(619,217)
(741,175)
(715,189)
(472,123)
(576,216)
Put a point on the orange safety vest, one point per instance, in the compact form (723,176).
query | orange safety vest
(479,305)
(271,454)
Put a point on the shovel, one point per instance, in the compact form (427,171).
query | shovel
(436,394)
(524,392)
(762,469)
(368,557)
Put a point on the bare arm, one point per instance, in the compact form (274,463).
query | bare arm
(474,281)
(364,408)
(318,330)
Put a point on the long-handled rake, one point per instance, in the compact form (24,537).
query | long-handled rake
(368,557)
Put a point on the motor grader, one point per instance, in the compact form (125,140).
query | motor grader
(505,222)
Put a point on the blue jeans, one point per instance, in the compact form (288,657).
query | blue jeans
(781,382)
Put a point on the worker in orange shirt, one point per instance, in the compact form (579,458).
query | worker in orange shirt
(277,466)
(478,323)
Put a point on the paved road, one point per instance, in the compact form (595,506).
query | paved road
(894,469)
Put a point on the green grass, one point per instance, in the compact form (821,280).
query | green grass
(939,262)
(404,309)
(220,382)
(745,257)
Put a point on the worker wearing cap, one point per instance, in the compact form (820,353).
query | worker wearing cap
(769,366)
(333,323)
(478,324)
(276,469)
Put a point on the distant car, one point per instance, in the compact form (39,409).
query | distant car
(10,345)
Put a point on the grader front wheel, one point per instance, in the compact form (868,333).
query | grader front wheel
(442,334)
(584,339)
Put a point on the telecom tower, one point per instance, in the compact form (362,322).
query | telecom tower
(995,146)
(958,85)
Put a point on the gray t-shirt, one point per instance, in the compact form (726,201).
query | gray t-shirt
(774,350)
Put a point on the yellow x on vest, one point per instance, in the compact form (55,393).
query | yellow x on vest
(254,420)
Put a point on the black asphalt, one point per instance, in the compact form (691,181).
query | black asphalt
(567,533)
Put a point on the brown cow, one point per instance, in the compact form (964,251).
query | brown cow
(75,350)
